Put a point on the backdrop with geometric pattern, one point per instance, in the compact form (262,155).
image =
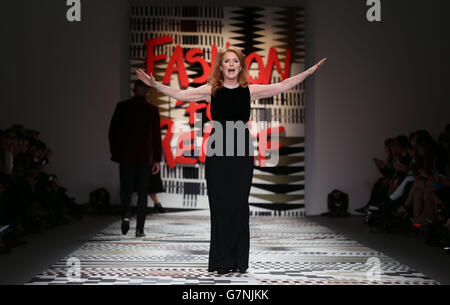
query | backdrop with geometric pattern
(179,45)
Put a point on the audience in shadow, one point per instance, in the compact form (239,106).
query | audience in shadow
(413,193)
(31,200)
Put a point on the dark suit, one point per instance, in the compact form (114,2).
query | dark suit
(135,143)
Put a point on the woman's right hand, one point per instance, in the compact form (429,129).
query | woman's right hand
(149,80)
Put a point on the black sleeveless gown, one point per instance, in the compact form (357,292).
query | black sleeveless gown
(228,181)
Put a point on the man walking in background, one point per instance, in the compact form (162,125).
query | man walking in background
(135,143)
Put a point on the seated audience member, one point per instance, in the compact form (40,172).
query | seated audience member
(437,188)
(402,166)
(33,200)
(428,165)
(386,168)
(436,200)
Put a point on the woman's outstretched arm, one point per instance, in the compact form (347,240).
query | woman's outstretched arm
(195,94)
(264,91)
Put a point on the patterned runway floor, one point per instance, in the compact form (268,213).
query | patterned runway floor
(283,251)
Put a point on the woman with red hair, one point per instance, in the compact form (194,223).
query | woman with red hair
(229,176)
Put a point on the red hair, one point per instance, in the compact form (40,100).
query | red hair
(216,79)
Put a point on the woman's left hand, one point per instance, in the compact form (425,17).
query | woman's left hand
(317,66)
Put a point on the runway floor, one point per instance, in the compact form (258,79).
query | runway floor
(283,251)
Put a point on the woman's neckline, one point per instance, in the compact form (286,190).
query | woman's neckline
(232,88)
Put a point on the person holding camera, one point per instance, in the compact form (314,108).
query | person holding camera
(135,143)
